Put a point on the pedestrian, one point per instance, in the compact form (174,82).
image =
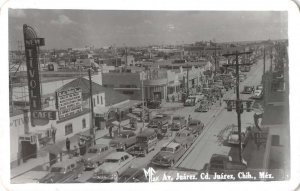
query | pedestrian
(173,98)
(68,144)
(110,131)
(189,119)
(53,132)
(76,151)
(53,135)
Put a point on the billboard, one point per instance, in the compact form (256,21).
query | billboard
(69,102)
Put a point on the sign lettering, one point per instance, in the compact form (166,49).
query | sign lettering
(50,115)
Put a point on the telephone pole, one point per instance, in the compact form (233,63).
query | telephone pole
(239,103)
(92,129)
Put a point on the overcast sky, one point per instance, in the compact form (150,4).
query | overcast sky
(77,28)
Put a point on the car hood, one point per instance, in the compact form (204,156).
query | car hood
(117,140)
(51,177)
(107,168)
(89,156)
(233,137)
(163,156)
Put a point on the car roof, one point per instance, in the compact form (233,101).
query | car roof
(116,155)
(195,120)
(65,163)
(98,146)
(171,145)
(243,128)
(126,132)
(147,132)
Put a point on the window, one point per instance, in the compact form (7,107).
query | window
(68,129)
(94,102)
(101,100)
(97,99)
(83,124)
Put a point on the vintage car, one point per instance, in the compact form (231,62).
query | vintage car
(160,123)
(185,138)
(63,172)
(114,165)
(153,104)
(203,107)
(248,90)
(178,123)
(169,154)
(259,87)
(233,137)
(145,142)
(222,163)
(190,101)
(258,94)
(195,127)
(133,175)
(123,140)
(95,156)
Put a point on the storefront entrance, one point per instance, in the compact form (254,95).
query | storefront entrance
(28,150)
(157,96)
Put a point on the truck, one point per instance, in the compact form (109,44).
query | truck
(160,124)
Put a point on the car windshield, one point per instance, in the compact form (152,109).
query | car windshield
(123,135)
(92,150)
(57,169)
(193,123)
(176,118)
(141,139)
(111,160)
(167,149)
(235,132)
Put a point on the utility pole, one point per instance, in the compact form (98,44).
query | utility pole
(143,100)
(92,130)
(238,101)
(187,81)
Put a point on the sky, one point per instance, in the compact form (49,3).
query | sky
(78,28)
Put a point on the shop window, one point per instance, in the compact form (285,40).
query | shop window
(94,102)
(127,92)
(101,100)
(68,129)
(97,99)
(83,123)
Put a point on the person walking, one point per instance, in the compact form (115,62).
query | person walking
(189,119)
(110,130)
(68,144)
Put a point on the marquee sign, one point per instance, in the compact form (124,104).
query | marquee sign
(32,44)
(69,102)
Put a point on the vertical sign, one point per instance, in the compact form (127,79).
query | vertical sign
(32,44)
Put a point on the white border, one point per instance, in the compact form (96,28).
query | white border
(293,33)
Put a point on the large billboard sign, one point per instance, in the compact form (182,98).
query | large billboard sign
(69,102)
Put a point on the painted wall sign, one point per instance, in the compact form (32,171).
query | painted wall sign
(69,102)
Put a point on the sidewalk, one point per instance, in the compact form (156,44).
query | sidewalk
(43,156)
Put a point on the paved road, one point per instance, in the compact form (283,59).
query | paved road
(211,140)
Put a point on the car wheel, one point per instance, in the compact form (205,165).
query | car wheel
(116,177)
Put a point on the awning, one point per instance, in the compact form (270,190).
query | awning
(127,105)
(132,116)
(101,110)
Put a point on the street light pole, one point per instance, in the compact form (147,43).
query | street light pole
(143,110)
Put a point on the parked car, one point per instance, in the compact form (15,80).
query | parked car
(233,137)
(95,156)
(133,175)
(123,140)
(259,87)
(178,123)
(160,123)
(195,127)
(153,104)
(248,90)
(203,107)
(114,165)
(169,154)
(63,172)
(145,142)
(223,163)
(185,138)
(258,94)
(190,101)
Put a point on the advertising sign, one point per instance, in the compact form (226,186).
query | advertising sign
(69,102)
(39,114)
